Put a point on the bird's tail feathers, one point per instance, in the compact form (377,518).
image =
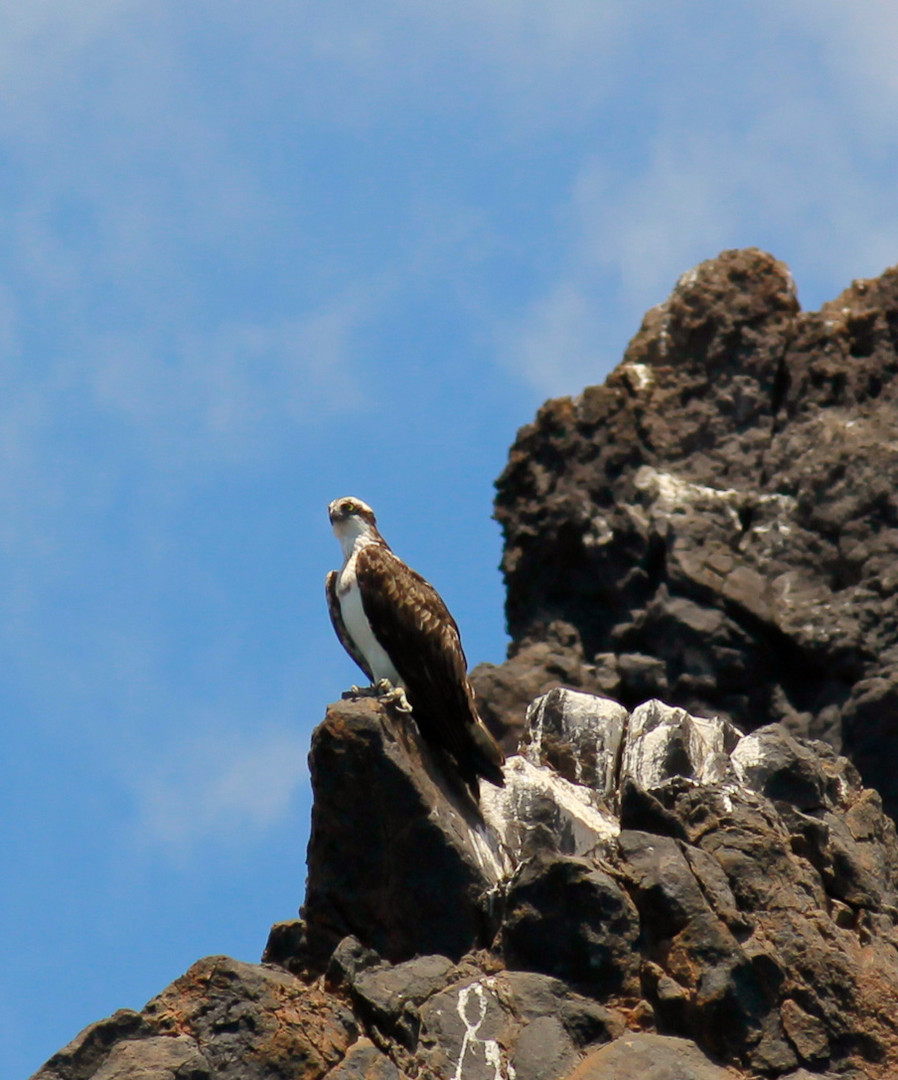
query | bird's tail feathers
(490,758)
(486,744)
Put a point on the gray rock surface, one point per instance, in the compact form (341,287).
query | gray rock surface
(221,1019)
(567,917)
(751,923)
(649,1057)
(577,735)
(735,891)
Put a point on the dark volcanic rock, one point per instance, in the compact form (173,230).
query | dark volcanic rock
(649,1057)
(567,918)
(382,866)
(720,518)
(536,996)
(510,1024)
(347,962)
(752,921)
(505,691)
(746,905)
(387,996)
(364,1061)
(577,735)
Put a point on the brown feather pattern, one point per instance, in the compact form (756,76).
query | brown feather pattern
(415,628)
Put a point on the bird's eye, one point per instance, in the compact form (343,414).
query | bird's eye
(349,507)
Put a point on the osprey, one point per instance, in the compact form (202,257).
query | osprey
(396,627)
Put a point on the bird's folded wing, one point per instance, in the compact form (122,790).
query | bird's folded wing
(333,607)
(414,626)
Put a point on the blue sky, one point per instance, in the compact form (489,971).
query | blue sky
(255,256)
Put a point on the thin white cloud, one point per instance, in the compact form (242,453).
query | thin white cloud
(769,153)
(166,421)
(225,788)
(234,393)
(776,157)
(352,62)
(106,218)
(555,347)
(858,48)
(339,61)
(50,30)
(526,41)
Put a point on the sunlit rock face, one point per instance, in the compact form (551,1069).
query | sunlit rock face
(682,898)
(717,524)
(731,890)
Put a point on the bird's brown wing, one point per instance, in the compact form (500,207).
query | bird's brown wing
(333,607)
(414,626)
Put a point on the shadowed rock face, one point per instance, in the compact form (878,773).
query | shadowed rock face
(717,524)
(376,783)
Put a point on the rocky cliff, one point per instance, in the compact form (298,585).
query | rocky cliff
(650,894)
(717,524)
(700,889)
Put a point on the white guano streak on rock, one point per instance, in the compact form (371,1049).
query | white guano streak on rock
(536,710)
(654,726)
(747,754)
(706,749)
(642,373)
(488,848)
(528,785)
(648,737)
(491,1051)
(593,727)
(645,761)
(672,491)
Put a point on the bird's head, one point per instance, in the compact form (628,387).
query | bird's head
(352,519)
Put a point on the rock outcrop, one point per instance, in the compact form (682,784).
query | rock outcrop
(649,890)
(702,889)
(717,524)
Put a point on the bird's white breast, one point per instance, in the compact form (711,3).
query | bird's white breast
(359,628)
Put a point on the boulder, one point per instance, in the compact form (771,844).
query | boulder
(222,1019)
(398,854)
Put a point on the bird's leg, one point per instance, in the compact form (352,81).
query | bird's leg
(395,696)
(397,700)
(376,689)
(384,691)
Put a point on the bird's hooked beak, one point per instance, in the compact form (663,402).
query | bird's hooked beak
(336,511)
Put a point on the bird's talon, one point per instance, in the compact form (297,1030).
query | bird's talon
(384,691)
(374,690)
(396,698)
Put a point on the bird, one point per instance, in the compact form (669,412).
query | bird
(396,627)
